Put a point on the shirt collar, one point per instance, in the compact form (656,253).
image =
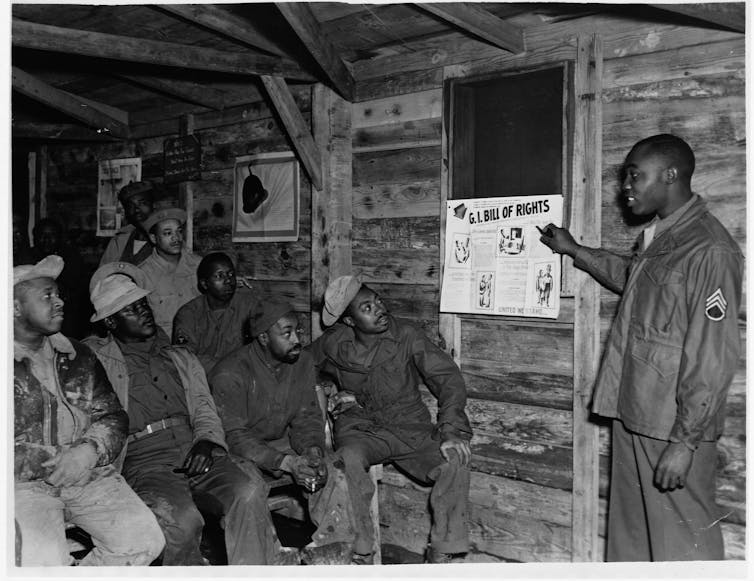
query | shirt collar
(59,343)
(663,224)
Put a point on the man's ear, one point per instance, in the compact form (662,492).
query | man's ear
(348,320)
(202,285)
(152,238)
(670,175)
(263,339)
(16,308)
(110,323)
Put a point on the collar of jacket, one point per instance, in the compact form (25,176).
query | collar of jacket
(666,241)
(108,346)
(60,344)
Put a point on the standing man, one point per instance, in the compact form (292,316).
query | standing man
(217,322)
(265,394)
(378,363)
(669,360)
(171,269)
(131,243)
(177,458)
(68,429)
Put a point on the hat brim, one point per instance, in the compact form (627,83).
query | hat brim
(118,268)
(330,316)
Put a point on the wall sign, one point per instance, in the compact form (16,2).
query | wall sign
(494,261)
(182,159)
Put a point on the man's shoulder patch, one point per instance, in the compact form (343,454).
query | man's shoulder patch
(716,306)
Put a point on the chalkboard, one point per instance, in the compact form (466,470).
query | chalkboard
(183,156)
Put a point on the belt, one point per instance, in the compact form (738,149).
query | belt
(158,426)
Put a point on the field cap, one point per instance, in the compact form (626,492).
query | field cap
(50,266)
(339,294)
(134,188)
(118,268)
(164,214)
(113,293)
(266,314)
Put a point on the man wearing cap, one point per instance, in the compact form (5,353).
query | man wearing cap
(265,395)
(131,243)
(217,322)
(171,269)
(176,458)
(379,362)
(68,429)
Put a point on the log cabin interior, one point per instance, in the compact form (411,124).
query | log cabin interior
(390,110)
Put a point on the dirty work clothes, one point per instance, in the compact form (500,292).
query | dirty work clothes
(213,334)
(43,510)
(175,500)
(362,445)
(172,285)
(258,404)
(645,524)
(124,247)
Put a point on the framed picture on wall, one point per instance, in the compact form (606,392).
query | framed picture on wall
(265,198)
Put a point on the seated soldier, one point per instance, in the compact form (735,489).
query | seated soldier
(176,458)
(216,323)
(68,429)
(131,243)
(265,394)
(379,363)
(171,269)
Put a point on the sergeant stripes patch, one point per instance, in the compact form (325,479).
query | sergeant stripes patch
(716,305)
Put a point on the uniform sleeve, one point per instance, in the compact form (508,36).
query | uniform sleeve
(184,331)
(205,421)
(607,268)
(444,380)
(112,251)
(308,424)
(712,346)
(230,394)
(109,421)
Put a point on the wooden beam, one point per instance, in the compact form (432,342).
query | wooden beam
(331,205)
(62,131)
(305,25)
(296,127)
(141,50)
(184,90)
(222,21)
(729,14)
(479,22)
(68,103)
(585,225)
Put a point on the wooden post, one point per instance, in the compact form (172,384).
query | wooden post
(31,165)
(585,225)
(186,189)
(42,165)
(332,205)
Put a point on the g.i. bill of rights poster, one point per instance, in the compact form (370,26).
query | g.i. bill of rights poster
(494,261)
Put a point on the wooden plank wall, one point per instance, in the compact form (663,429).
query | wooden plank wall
(282,268)
(656,78)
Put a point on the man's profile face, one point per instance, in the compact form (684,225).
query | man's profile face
(137,208)
(284,339)
(38,306)
(134,322)
(367,313)
(644,188)
(220,283)
(167,236)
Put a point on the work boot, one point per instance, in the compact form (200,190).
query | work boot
(287,556)
(331,554)
(444,558)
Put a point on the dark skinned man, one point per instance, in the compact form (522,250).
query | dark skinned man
(131,243)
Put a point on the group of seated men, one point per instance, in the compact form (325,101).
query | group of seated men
(135,434)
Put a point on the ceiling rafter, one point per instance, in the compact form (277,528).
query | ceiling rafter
(479,22)
(729,14)
(84,110)
(64,131)
(222,21)
(301,18)
(125,48)
(183,90)
(296,127)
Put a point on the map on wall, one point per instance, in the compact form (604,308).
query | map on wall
(494,261)
(112,175)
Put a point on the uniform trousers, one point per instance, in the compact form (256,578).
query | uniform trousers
(647,524)
(362,444)
(122,528)
(225,491)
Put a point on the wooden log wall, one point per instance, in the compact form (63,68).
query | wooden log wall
(657,78)
(282,268)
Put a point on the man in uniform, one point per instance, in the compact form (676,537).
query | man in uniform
(265,394)
(215,323)
(171,269)
(378,363)
(177,456)
(669,360)
(131,243)
(68,429)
